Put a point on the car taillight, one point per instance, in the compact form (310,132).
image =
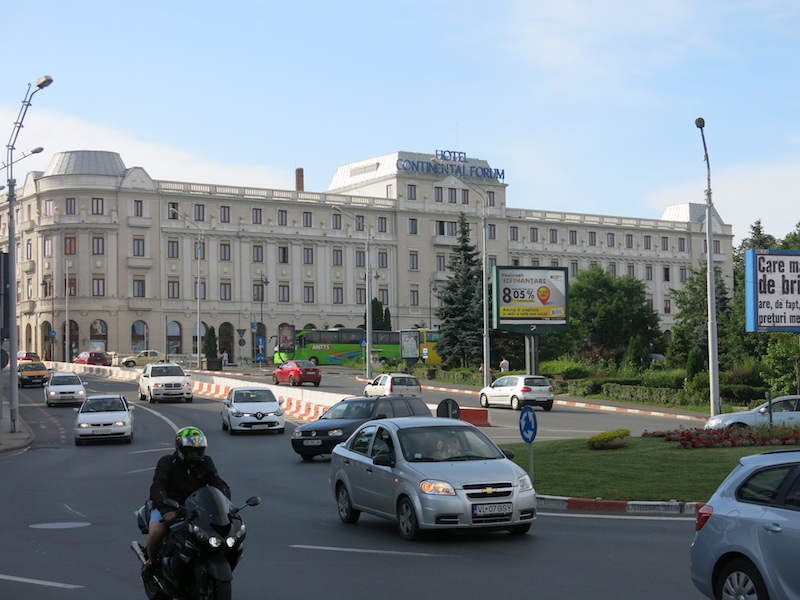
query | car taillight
(526,389)
(703,515)
(391,384)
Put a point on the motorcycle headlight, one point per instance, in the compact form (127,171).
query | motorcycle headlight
(230,542)
(214,541)
(198,532)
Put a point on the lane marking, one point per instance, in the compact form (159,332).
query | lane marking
(55,584)
(367,551)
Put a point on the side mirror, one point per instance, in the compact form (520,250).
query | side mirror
(383,460)
(131,407)
(509,453)
(253,501)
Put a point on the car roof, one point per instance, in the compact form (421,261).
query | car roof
(774,457)
(101,396)
(398,423)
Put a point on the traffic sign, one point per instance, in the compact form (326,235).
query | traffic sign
(261,341)
(259,357)
(241,332)
(527,424)
(448,408)
(53,333)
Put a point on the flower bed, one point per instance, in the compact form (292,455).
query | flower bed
(729,437)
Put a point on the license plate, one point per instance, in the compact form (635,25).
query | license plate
(260,426)
(482,510)
(312,442)
(101,432)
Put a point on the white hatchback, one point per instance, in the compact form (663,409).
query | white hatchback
(252,409)
(394,384)
(517,391)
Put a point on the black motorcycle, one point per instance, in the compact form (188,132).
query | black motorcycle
(201,548)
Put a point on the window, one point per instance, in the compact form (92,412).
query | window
(438,194)
(138,246)
(610,240)
(360,258)
(361,295)
(48,208)
(534,262)
(383,296)
(464,196)
(98,246)
(98,286)
(445,228)
(629,240)
(666,273)
(283,254)
(224,251)
(593,238)
(200,250)
(256,216)
(382,222)
(173,249)
(413,297)
(491,231)
(664,242)
(717,247)
(28,250)
(411,191)
(308,256)
(283,217)
(225,290)
(47,246)
(573,268)
(648,242)
(533,234)
(441,263)
(308,219)
(224,214)
(337,257)
(412,227)
(682,274)
(97,206)
(173,289)
(389,190)
(573,237)
(172,210)
(69,207)
(138,288)
(649,302)
(554,236)
(413,260)
(451,195)
(612,269)
(667,306)
(360,222)
(648,272)
(258,292)
(283,292)
(336,221)
(258,253)
(70,245)
(202,289)
(513,233)
(681,244)
(383,259)
(490,198)
(338,294)
(308,293)
(199,212)
(138,208)
(631,271)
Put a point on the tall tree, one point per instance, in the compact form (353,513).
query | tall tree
(461,312)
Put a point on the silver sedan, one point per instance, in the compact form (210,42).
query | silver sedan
(430,473)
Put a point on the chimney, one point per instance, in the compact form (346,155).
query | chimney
(299,186)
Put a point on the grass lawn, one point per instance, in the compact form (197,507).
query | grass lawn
(647,468)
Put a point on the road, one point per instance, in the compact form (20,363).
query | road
(69,521)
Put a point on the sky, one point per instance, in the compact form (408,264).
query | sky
(588,106)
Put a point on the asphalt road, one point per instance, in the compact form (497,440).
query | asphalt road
(69,520)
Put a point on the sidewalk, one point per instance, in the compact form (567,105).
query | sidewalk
(9,441)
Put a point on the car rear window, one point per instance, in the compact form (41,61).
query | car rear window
(406,381)
(305,364)
(537,382)
(418,407)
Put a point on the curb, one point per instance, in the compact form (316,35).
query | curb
(670,508)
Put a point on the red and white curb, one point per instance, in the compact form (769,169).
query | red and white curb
(669,508)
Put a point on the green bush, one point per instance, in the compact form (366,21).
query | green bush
(600,441)
(667,378)
(564,368)
(646,395)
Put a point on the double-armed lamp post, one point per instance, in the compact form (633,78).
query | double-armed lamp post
(197,249)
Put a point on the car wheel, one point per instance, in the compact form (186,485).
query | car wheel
(150,398)
(128,363)
(307,457)
(520,529)
(78,442)
(316,384)
(224,425)
(189,399)
(291,380)
(484,401)
(282,430)
(740,579)
(274,380)
(515,403)
(142,397)
(548,407)
(347,513)
(129,439)
(407,523)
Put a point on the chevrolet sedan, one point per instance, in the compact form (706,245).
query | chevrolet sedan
(252,409)
(107,417)
(64,388)
(430,473)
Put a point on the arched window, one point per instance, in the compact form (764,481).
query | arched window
(174,342)
(140,336)
(98,336)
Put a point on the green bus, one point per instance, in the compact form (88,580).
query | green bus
(336,346)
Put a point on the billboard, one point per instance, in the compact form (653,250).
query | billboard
(530,299)
(772,290)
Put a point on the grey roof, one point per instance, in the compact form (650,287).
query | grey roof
(86,162)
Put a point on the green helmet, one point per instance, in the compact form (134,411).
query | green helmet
(190,443)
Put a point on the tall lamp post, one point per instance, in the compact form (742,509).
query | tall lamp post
(368,333)
(711,288)
(264,284)
(487,370)
(198,246)
(41,83)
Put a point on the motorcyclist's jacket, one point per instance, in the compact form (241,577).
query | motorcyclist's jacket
(177,479)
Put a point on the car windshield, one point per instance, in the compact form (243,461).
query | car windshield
(65,380)
(537,382)
(103,405)
(254,396)
(32,367)
(305,364)
(445,443)
(358,409)
(166,372)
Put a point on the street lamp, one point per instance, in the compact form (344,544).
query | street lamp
(264,284)
(368,345)
(487,370)
(198,246)
(41,83)
(713,366)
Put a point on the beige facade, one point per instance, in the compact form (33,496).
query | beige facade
(126,245)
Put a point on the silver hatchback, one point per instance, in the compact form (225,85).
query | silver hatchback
(517,391)
(747,536)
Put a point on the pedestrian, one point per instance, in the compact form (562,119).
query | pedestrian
(224,358)
(504,366)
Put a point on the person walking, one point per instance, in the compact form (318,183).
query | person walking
(504,365)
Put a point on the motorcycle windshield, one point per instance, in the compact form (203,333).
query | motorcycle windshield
(209,506)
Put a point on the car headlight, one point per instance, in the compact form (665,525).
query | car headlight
(52,393)
(524,483)
(236,413)
(436,488)
(119,423)
(336,433)
(83,425)
(80,392)
(297,433)
(278,413)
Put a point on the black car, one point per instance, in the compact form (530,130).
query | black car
(343,418)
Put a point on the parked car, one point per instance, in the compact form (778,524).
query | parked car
(25,355)
(784,412)
(64,388)
(394,384)
(165,381)
(343,418)
(252,409)
(297,372)
(747,535)
(430,473)
(104,417)
(145,357)
(31,373)
(517,391)
(93,358)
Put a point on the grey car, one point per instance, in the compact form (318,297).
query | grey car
(784,412)
(747,536)
(429,473)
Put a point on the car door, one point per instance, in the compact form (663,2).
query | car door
(381,478)
(357,465)
(784,413)
(498,393)
(778,535)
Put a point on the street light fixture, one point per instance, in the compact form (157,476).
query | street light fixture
(368,333)
(711,288)
(264,284)
(198,246)
(41,83)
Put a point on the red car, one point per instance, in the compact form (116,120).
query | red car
(93,358)
(297,372)
(23,355)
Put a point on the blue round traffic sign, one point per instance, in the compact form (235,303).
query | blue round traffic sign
(259,357)
(53,333)
(527,424)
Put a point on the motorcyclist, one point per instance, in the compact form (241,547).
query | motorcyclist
(177,476)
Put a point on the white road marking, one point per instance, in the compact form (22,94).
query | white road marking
(55,584)
(367,551)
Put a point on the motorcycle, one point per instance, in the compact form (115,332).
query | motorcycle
(201,549)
